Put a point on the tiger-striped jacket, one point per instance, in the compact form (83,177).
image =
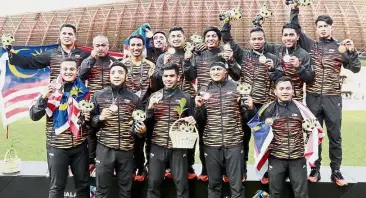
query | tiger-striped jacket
(327,62)
(222,115)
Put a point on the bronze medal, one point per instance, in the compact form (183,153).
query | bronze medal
(171,50)
(262,59)
(58,86)
(342,49)
(113,108)
(269,121)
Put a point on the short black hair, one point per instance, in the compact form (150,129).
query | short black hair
(212,28)
(176,28)
(171,66)
(69,26)
(159,32)
(257,29)
(118,63)
(326,18)
(296,27)
(284,79)
(137,36)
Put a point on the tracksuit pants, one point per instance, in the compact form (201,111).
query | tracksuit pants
(297,172)
(328,109)
(178,161)
(231,159)
(108,160)
(59,161)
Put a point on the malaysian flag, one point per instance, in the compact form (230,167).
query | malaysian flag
(263,135)
(18,87)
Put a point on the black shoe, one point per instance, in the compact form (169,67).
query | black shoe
(338,178)
(314,175)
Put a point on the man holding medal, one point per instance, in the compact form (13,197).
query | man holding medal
(141,81)
(259,69)
(323,95)
(295,61)
(95,71)
(66,139)
(112,115)
(161,111)
(218,105)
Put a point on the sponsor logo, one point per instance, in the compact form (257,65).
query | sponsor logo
(331,50)
(69,194)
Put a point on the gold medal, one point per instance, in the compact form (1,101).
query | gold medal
(171,50)
(342,49)
(262,59)
(113,108)
(286,58)
(269,121)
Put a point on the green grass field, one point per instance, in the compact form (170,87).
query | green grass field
(30,140)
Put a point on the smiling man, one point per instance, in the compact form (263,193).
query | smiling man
(323,95)
(162,113)
(159,46)
(295,61)
(66,142)
(287,147)
(142,81)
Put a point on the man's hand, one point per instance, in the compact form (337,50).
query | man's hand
(199,101)
(249,103)
(188,55)
(201,47)
(140,127)
(94,54)
(86,116)
(167,57)
(228,54)
(190,120)
(269,63)
(106,113)
(294,61)
(48,90)
(153,101)
(348,43)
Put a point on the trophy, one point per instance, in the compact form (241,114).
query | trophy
(262,15)
(233,14)
(244,90)
(85,107)
(299,2)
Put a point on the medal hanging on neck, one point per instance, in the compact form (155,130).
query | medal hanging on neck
(114,107)
(262,59)
(342,49)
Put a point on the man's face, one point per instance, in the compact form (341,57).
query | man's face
(289,37)
(67,36)
(159,41)
(101,45)
(284,91)
(136,47)
(170,78)
(117,75)
(218,73)
(323,29)
(176,39)
(212,40)
(257,40)
(69,71)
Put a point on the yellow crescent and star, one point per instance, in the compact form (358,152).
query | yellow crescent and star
(17,73)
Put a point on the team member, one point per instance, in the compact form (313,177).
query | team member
(161,111)
(323,95)
(113,107)
(66,140)
(219,108)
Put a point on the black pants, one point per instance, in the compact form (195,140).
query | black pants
(232,159)
(201,128)
(139,155)
(328,109)
(92,144)
(107,161)
(296,170)
(177,159)
(59,161)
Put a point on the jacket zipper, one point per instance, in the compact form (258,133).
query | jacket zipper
(222,127)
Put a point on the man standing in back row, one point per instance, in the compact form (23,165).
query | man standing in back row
(323,95)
